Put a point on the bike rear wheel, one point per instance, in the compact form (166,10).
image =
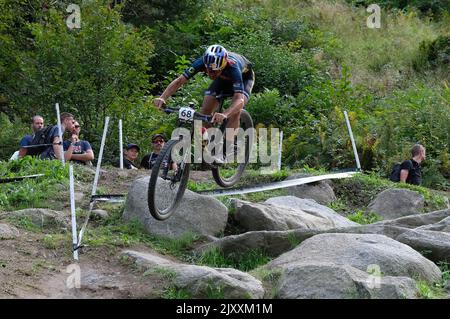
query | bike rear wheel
(228,174)
(166,185)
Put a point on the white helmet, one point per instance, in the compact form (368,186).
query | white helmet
(215,57)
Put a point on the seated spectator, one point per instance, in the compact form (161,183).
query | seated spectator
(130,155)
(82,151)
(54,151)
(37,123)
(411,172)
(158,142)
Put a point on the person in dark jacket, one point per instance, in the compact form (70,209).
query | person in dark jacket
(411,172)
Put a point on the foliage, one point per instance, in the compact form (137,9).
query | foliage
(97,71)
(10,134)
(425,6)
(362,218)
(245,262)
(313,60)
(31,192)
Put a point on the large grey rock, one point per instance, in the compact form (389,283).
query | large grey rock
(327,280)
(272,243)
(380,228)
(321,191)
(196,213)
(99,214)
(8,232)
(40,217)
(435,245)
(441,226)
(394,203)
(257,216)
(311,207)
(418,220)
(200,281)
(360,251)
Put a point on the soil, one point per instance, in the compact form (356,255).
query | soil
(30,270)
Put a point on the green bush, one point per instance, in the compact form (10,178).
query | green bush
(28,193)
(275,66)
(11,133)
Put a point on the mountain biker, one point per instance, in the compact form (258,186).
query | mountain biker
(231,74)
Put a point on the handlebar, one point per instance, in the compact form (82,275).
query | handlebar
(197,116)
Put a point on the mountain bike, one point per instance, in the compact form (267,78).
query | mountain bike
(170,174)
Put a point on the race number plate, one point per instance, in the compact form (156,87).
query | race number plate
(186,114)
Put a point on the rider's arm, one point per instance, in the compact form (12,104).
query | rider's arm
(170,90)
(173,87)
(193,69)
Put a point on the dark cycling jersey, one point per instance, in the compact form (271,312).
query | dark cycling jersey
(238,67)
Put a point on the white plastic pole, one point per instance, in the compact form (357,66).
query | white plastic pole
(280,150)
(99,162)
(355,151)
(73,213)
(121,144)
(60,132)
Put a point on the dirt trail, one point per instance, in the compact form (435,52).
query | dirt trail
(29,270)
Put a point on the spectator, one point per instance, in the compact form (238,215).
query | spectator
(130,155)
(410,170)
(158,142)
(54,151)
(37,123)
(82,151)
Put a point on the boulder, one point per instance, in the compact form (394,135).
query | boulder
(435,245)
(441,226)
(198,214)
(288,212)
(321,191)
(272,243)
(99,214)
(360,251)
(8,232)
(330,281)
(312,207)
(394,203)
(380,228)
(257,216)
(40,217)
(418,220)
(201,281)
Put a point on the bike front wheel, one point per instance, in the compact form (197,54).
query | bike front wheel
(168,182)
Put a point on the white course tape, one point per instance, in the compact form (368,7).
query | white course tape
(275,185)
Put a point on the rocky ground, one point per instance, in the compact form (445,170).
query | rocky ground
(303,249)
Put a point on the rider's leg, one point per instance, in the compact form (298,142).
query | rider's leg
(234,124)
(209,105)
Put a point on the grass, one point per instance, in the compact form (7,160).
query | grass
(176,293)
(214,291)
(435,290)
(114,232)
(166,273)
(357,192)
(269,278)
(36,192)
(248,261)
(54,241)
(364,218)
(24,222)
